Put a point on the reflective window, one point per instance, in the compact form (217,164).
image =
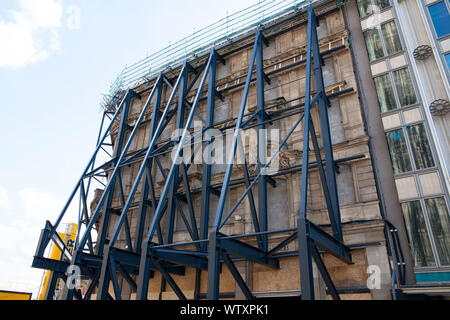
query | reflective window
(373,42)
(385,93)
(420,146)
(399,151)
(418,234)
(364,8)
(405,88)
(391,38)
(367,7)
(440,226)
(447,59)
(382,3)
(441,18)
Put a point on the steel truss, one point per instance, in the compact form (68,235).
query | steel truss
(153,249)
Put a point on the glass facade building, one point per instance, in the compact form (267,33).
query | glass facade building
(418,173)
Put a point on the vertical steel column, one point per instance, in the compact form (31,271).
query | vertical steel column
(213,267)
(147,184)
(171,207)
(213,251)
(262,140)
(325,130)
(106,267)
(144,267)
(305,247)
(304,242)
(206,179)
(123,126)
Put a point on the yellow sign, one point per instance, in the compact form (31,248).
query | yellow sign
(69,239)
(9,295)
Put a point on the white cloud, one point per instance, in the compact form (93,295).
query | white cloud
(32,35)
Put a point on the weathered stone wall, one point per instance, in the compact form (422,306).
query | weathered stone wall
(356,185)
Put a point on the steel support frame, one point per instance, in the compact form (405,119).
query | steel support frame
(209,248)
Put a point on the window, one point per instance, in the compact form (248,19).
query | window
(440,226)
(420,147)
(391,38)
(447,59)
(399,151)
(441,18)
(382,3)
(405,88)
(375,38)
(367,7)
(373,43)
(364,8)
(418,234)
(385,93)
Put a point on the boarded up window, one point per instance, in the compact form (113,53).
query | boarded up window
(335,119)
(277,205)
(346,189)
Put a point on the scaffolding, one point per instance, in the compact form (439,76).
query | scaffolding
(219,34)
(153,249)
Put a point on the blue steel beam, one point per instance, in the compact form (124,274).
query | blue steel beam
(262,139)
(171,206)
(68,293)
(324,273)
(214,255)
(237,276)
(247,251)
(325,130)
(308,234)
(206,179)
(190,259)
(147,184)
(304,242)
(123,154)
(44,241)
(171,178)
(113,181)
(104,280)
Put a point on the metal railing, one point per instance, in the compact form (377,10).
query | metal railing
(397,258)
(217,34)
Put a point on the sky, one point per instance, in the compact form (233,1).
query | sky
(57,57)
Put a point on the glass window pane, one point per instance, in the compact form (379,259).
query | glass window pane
(398,150)
(447,59)
(391,38)
(441,18)
(418,234)
(364,8)
(385,93)
(440,225)
(420,146)
(405,87)
(382,3)
(373,43)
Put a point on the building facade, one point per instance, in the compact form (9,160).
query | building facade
(407,44)
(384,71)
